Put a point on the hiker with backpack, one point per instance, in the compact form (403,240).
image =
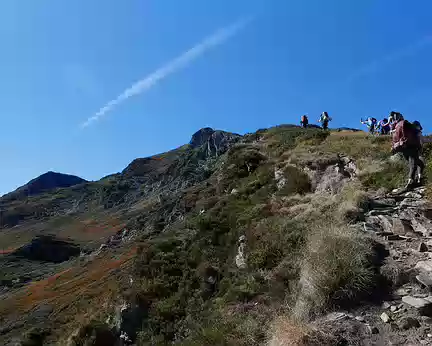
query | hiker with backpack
(407,141)
(371,123)
(304,122)
(385,127)
(324,120)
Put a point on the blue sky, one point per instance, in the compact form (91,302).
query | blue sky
(62,61)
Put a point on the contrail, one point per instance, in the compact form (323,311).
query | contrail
(174,65)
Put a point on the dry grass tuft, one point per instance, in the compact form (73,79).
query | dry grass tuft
(352,204)
(335,268)
(286,331)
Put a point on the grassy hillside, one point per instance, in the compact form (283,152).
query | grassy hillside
(227,245)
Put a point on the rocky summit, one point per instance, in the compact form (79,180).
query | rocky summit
(284,236)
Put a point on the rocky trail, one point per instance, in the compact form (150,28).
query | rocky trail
(402,225)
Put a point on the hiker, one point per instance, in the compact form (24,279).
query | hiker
(385,127)
(419,130)
(392,120)
(371,123)
(324,120)
(407,141)
(304,122)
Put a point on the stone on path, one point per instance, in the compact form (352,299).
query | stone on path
(336,316)
(392,237)
(425,266)
(423,306)
(360,318)
(425,279)
(385,305)
(385,318)
(423,247)
(401,292)
(409,322)
(372,330)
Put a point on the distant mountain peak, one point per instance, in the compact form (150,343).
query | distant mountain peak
(45,182)
(210,137)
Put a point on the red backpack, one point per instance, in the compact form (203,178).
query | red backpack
(405,135)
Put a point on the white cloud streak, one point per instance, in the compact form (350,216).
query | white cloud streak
(174,65)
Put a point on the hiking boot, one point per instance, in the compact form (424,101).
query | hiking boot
(408,187)
(411,185)
(419,181)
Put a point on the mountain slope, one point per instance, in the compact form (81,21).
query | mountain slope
(224,241)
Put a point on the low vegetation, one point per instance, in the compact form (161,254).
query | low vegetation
(303,256)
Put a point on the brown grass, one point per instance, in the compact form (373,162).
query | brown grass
(75,293)
(287,332)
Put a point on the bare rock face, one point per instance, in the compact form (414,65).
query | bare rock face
(240,259)
(201,136)
(213,142)
(331,175)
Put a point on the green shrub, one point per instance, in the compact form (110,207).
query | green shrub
(94,333)
(35,337)
(392,175)
(358,145)
(241,161)
(297,182)
(272,240)
(242,288)
(286,137)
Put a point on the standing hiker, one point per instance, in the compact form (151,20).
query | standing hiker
(385,127)
(324,120)
(371,123)
(407,141)
(304,122)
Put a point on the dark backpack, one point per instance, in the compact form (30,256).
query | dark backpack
(304,119)
(417,125)
(405,135)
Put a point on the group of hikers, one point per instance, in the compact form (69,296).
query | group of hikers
(324,120)
(407,140)
(385,126)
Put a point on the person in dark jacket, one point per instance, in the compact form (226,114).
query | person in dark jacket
(385,127)
(304,122)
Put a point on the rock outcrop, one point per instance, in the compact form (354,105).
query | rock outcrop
(213,142)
